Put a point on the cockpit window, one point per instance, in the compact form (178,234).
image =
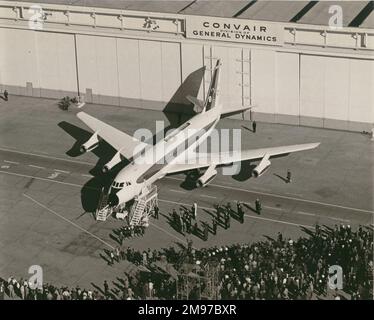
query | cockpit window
(120,185)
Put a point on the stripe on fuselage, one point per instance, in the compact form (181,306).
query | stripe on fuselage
(159,166)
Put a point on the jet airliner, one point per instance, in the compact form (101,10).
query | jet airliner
(177,151)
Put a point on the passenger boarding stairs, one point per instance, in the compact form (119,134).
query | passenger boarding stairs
(103,210)
(141,210)
(143,206)
(139,207)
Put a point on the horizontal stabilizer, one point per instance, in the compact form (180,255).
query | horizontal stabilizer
(226,112)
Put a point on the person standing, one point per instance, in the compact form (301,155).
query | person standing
(2,290)
(157,211)
(195,228)
(106,288)
(6,94)
(254,126)
(121,237)
(118,254)
(258,206)
(145,258)
(189,245)
(214,226)
(183,224)
(289,176)
(194,211)
(206,231)
(181,220)
(218,209)
(227,220)
(240,212)
(228,208)
(111,257)
(188,223)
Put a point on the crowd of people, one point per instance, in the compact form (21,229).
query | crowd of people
(278,268)
(185,221)
(26,290)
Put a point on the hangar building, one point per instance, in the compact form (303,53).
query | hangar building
(289,59)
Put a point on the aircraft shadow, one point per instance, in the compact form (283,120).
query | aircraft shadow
(179,109)
(188,184)
(245,172)
(280,177)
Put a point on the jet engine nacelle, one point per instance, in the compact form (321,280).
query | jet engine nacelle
(262,167)
(114,161)
(207,177)
(91,143)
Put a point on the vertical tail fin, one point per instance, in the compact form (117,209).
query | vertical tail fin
(213,94)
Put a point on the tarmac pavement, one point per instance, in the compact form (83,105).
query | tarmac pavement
(45,191)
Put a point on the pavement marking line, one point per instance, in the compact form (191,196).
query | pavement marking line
(81,105)
(178,191)
(338,219)
(38,167)
(167,232)
(166,201)
(305,213)
(294,194)
(283,197)
(67,220)
(279,221)
(44,179)
(206,196)
(274,208)
(214,185)
(47,157)
(63,171)
(13,162)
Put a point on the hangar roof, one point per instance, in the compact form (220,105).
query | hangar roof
(320,15)
(355,13)
(282,11)
(369,21)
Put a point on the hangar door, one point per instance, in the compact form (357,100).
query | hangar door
(235,77)
(335,91)
(38,63)
(128,72)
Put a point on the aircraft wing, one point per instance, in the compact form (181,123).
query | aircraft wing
(202,160)
(119,140)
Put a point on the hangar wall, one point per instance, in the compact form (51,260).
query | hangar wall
(41,64)
(122,72)
(286,84)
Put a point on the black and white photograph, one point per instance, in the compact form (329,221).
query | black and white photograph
(200,152)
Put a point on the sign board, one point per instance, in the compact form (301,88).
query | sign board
(234,30)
